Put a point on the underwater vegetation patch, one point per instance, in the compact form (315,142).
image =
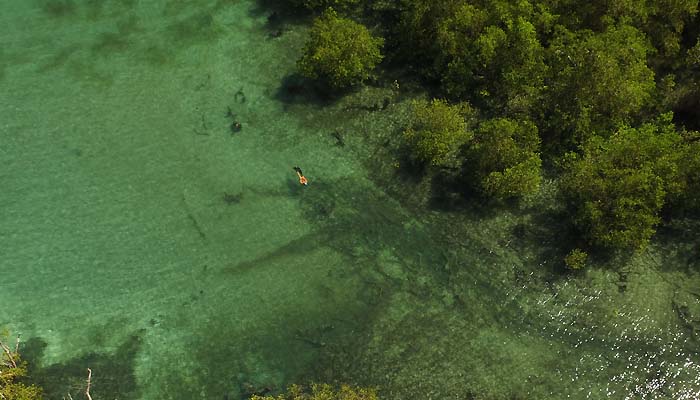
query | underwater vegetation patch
(110,42)
(175,7)
(119,41)
(128,25)
(95,9)
(87,72)
(197,27)
(59,8)
(223,4)
(155,55)
(59,59)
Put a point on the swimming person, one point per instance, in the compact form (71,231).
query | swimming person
(302,178)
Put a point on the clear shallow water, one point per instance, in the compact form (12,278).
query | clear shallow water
(121,253)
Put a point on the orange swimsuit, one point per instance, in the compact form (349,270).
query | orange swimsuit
(302,179)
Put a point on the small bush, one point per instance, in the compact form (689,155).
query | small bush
(340,52)
(576,259)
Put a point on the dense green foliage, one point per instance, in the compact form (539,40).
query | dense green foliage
(13,371)
(599,81)
(340,52)
(606,94)
(503,159)
(489,54)
(619,185)
(437,131)
(324,392)
(661,20)
(576,259)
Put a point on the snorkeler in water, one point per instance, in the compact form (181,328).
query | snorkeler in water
(302,178)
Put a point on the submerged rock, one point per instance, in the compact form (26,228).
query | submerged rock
(236,127)
(234,198)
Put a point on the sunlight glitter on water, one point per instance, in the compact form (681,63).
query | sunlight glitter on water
(631,351)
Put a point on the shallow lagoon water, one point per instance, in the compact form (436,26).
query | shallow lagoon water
(142,239)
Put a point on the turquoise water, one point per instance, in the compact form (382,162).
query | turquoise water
(142,239)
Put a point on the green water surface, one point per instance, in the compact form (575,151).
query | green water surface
(141,238)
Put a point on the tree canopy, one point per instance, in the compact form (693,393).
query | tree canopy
(339,51)
(618,186)
(503,158)
(480,51)
(437,131)
(13,372)
(598,82)
(606,90)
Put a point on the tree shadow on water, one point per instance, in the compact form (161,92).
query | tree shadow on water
(347,214)
(450,191)
(112,374)
(681,234)
(295,89)
(549,238)
(59,8)
(279,13)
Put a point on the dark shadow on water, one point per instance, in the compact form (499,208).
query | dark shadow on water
(349,216)
(265,7)
(549,237)
(59,8)
(451,191)
(195,28)
(682,233)
(280,14)
(297,247)
(345,216)
(261,361)
(409,171)
(112,374)
(295,89)
(294,187)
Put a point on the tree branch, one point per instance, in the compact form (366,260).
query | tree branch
(9,354)
(87,390)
